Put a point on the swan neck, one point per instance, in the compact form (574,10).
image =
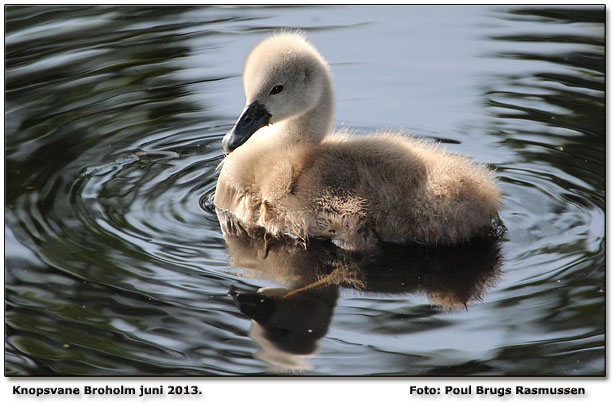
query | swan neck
(313,125)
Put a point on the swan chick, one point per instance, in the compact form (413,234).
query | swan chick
(286,172)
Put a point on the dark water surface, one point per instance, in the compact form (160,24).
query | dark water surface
(115,261)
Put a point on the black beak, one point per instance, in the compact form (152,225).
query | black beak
(254,117)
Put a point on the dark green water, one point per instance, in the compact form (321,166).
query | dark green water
(115,263)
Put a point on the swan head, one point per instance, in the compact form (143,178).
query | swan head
(284,77)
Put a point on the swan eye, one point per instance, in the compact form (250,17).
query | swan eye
(277,89)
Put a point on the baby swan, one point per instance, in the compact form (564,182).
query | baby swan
(285,173)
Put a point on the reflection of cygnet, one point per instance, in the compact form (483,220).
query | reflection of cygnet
(287,326)
(280,360)
(285,172)
(289,321)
